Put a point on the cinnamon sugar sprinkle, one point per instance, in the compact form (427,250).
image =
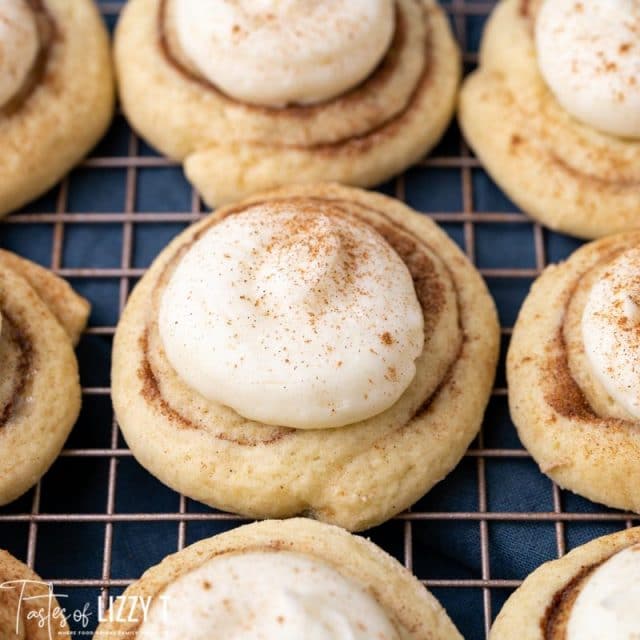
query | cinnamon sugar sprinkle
(48,34)
(317,235)
(387,338)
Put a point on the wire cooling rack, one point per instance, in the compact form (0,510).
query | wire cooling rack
(97,520)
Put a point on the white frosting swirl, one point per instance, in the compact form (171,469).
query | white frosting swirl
(290,51)
(19,43)
(277,595)
(607,606)
(293,316)
(589,55)
(611,330)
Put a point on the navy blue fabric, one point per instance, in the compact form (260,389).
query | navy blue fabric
(445,549)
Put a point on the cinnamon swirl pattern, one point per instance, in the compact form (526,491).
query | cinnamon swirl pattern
(24,598)
(353,453)
(561,79)
(56,92)
(41,320)
(590,593)
(220,89)
(317,581)
(572,372)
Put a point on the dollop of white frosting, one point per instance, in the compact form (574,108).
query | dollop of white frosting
(278,595)
(293,316)
(19,44)
(589,55)
(607,606)
(289,51)
(611,330)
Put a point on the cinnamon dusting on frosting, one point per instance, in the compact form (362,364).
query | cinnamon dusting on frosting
(294,52)
(582,57)
(611,329)
(325,281)
(302,595)
(429,289)
(561,391)
(371,84)
(387,338)
(356,144)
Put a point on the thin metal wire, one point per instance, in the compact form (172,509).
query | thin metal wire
(130,219)
(413,516)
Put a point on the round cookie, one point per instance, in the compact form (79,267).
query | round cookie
(64,103)
(566,416)
(410,609)
(231,149)
(568,175)
(24,597)
(42,319)
(541,608)
(357,475)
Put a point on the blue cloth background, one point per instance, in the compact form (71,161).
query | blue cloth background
(444,549)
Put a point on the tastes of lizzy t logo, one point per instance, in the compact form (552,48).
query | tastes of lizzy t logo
(33,604)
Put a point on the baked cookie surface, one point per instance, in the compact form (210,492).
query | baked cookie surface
(567,174)
(58,107)
(557,600)
(411,612)
(232,148)
(24,597)
(571,349)
(356,475)
(42,319)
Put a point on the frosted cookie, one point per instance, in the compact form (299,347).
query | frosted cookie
(24,598)
(317,349)
(253,95)
(573,371)
(283,579)
(41,320)
(553,112)
(590,594)
(56,92)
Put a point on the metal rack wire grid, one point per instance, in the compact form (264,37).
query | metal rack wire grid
(97,520)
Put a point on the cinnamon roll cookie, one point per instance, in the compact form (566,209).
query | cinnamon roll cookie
(41,319)
(251,96)
(590,594)
(553,112)
(574,371)
(25,601)
(282,579)
(317,349)
(56,92)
